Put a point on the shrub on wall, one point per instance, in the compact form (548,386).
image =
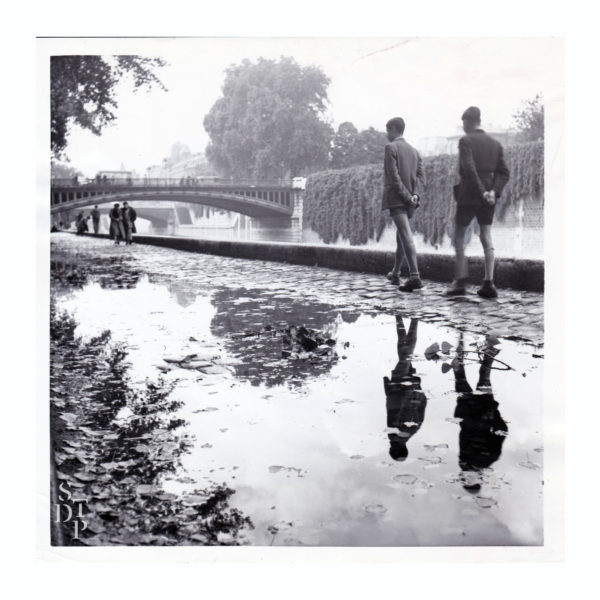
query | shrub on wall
(346,203)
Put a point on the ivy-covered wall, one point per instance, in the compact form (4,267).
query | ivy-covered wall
(346,203)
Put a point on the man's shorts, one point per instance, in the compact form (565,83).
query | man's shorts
(407,210)
(483,212)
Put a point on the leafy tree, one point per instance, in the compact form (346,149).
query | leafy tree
(61,171)
(82,91)
(269,121)
(370,145)
(352,148)
(529,120)
(344,146)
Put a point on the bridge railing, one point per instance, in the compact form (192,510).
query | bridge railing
(170,182)
(278,192)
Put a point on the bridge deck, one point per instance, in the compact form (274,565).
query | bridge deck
(261,199)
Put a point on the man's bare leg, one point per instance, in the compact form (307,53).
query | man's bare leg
(485,235)
(487,290)
(461,271)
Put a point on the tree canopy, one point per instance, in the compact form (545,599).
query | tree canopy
(82,91)
(529,120)
(270,122)
(62,171)
(352,148)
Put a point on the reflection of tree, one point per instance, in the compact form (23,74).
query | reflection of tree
(258,328)
(66,275)
(183,296)
(118,442)
(121,274)
(482,429)
(405,401)
(114,272)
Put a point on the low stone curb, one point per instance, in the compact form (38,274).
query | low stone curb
(519,274)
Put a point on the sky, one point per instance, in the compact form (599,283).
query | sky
(427,81)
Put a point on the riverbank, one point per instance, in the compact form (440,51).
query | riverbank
(191,417)
(518,274)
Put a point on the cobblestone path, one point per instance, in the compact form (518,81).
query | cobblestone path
(514,315)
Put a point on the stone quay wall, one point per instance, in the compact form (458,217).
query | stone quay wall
(519,274)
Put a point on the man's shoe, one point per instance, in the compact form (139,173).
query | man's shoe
(488,289)
(393,278)
(459,288)
(412,283)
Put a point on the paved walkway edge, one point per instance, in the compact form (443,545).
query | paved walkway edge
(519,274)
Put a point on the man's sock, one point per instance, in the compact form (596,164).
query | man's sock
(414,275)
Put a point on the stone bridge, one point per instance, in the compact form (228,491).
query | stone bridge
(157,199)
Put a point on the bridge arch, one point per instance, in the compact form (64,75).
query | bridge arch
(251,201)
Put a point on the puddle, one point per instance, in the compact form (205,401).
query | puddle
(364,441)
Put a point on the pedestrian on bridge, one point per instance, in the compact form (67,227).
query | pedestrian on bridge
(116,224)
(96,219)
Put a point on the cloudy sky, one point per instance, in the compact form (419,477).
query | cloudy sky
(428,81)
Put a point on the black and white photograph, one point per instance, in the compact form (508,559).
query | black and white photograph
(297,292)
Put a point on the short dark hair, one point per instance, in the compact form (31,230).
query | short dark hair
(396,123)
(472,115)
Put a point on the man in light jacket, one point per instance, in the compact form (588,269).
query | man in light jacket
(403,180)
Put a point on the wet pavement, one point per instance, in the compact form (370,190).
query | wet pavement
(325,407)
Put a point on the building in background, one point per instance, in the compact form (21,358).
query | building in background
(179,164)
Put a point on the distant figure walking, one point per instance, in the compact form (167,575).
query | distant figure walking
(79,222)
(483,175)
(129,217)
(82,225)
(116,224)
(96,219)
(402,181)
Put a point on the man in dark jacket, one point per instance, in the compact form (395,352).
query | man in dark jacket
(483,175)
(129,217)
(402,181)
(482,428)
(116,224)
(96,219)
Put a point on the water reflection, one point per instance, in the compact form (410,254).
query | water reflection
(181,293)
(482,428)
(255,326)
(404,399)
(73,271)
(310,457)
(114,441)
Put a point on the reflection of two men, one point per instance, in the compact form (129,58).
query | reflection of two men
(482,429)
(405,401)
